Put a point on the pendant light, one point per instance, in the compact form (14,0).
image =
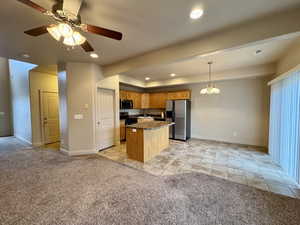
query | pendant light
(211,88)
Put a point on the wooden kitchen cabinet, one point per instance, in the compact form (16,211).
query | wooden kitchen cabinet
(145,100)
(158,100)
(137,100)
(122,130)
(153,100)
(123,95)
(131,95)
(179,95)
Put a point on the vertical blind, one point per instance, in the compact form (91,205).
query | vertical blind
(284,139)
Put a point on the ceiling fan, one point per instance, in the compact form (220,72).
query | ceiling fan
(68,25)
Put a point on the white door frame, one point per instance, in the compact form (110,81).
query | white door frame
(97,116)
(41,91)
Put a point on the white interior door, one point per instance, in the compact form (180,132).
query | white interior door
(50,117)
(105,128)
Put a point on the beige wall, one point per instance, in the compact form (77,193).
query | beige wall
(39,81)
(19,77)
(239,114)
(81,86)
(78,83)
(5,100)
(290,60)
(63,106)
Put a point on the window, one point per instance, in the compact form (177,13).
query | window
(284,136)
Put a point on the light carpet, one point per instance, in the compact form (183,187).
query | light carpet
(49,188)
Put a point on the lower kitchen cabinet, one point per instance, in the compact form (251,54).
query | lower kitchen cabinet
(122,130)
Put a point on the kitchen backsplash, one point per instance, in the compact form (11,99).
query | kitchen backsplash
(142,111)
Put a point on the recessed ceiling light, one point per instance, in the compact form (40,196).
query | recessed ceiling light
(25,55)
(147,78)
(94,55)
(172,74)
(258,52)
(196,14)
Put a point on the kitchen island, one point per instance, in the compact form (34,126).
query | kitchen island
(146,140)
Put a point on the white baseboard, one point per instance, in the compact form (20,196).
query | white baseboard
(23,139)
(227,141)
(77,153)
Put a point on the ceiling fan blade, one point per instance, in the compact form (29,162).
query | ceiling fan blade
(103,31)
(33,5)
(72,6)
(37,31)
(87,47)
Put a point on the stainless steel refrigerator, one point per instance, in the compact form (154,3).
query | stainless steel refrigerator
(179,112)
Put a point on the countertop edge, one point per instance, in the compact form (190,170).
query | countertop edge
(149,128)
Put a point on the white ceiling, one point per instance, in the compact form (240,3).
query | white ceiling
(225,60)
(146,25)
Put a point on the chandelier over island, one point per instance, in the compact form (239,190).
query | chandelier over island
(211,89)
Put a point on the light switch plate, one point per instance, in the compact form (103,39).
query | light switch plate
(78,116)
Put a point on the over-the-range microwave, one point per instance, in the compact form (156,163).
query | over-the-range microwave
(126,104)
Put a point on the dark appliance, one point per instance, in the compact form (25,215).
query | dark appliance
(123,115)
(131,120)
(179,112)
(126,119)
(126,104)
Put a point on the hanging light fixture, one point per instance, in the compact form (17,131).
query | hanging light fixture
(54,32)
(211,88)
(65,32)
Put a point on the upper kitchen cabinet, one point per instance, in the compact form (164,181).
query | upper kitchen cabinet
(158,100)
(123,95)
(145,101)
(153,100)
(179,95)
(135,97)
(137,100)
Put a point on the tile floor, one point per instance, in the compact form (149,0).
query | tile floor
(246,165)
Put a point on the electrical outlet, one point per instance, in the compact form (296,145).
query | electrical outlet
(78,116)
(234,134)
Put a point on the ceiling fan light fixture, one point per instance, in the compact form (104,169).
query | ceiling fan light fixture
(78,38)
(65,30)
(54,32)
(69,41)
